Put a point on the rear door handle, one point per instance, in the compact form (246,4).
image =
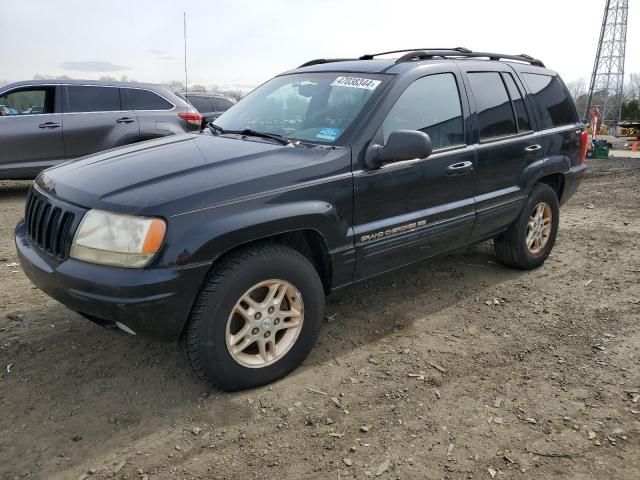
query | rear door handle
(459,168)
(49,125)
(532,148)
(125,120)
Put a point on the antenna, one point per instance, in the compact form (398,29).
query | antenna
(186,78)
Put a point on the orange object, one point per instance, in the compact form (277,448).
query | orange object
(634,146)
(155,236)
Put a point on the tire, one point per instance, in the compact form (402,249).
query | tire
(511,247)
(215,322)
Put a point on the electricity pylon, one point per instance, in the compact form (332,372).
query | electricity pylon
(605,89)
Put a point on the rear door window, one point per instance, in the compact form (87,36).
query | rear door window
(551,100)
(82,98)
(524,125)
(493,106)
(142,99)
(432,105)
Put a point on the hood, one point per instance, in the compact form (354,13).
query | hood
(183,172)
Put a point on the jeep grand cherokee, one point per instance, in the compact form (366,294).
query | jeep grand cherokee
(326,175)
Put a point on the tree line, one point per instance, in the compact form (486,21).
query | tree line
(175,85)
(579,90)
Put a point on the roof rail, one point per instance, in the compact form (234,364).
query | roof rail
(456,53)
(430,53)
(370,56)
(319,61)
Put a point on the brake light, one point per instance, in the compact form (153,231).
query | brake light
(193,118)
(584,143)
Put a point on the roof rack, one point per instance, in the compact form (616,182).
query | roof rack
(370,56)
(430,53)
(458,53)
(319,61)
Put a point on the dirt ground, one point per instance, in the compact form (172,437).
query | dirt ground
(455,368)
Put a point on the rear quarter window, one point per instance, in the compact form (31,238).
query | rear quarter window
(550,100)
(222,104)
(147,100)
(202,104)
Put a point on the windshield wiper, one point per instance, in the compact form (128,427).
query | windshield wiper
(217,130)
(247,132)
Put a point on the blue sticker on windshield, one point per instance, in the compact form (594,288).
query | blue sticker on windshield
(328,133)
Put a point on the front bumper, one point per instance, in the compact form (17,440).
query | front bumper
(154,303)
(572,180)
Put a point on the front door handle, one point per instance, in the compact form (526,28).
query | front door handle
(459,168)
(125,120)
(532,148)
(49,125)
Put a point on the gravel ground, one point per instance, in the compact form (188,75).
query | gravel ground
(455,368)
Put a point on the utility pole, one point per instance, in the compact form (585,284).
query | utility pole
(606,87)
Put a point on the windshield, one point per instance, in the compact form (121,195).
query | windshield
(312,107)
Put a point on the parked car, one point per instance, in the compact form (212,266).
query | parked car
(47,122)
(326,175)
(210,105)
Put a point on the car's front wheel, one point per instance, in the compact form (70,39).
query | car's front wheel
(257,317)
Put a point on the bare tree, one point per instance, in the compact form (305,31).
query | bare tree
(39,76)
(577,88)
(175,85)
(632,87)
(236,94)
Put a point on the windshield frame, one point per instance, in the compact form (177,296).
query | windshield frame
(346,136)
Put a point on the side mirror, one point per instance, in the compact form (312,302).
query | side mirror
(401,145)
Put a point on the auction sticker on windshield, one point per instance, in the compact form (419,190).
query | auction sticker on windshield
(356,82)
(328,133)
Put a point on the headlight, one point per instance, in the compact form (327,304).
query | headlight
(119,240)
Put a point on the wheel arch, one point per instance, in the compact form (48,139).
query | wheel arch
(550,171)
(307,241)
(313,228)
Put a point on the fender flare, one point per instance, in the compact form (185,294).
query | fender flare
(216,235)
(533,172)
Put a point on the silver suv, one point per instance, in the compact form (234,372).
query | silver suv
(46,122)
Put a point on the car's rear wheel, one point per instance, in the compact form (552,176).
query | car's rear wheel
(256,319)
(529,240)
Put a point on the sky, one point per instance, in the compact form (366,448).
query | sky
(242,43)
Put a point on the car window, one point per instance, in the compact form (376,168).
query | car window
(92,99)
(142,99)
(524,125)
(551,100)
(222,104)
(28,101)
(493,107)
(202,104)
(431,105)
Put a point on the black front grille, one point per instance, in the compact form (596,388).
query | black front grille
(49,224)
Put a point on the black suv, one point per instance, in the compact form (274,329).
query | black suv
(326,175)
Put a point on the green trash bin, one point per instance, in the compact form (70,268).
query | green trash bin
(601,152)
